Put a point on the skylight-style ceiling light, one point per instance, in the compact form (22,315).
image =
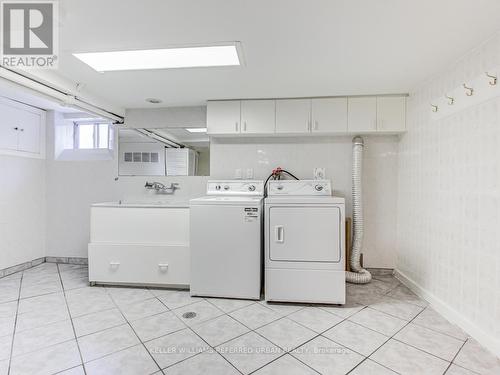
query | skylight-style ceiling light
(196,130)
(167,58)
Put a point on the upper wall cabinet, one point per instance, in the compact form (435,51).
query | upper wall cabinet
(22,130)
(258,116)
(329,115)
(293,116)
(362,114)
(391,113)
(223,117)
(325,116)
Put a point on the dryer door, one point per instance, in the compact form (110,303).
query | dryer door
(304,233)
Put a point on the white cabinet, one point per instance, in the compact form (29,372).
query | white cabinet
(223,117)
(22,129)
(258,116)
(329,115)
(391,113)
(293,116)
(362,114)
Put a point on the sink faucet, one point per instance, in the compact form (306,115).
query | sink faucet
(161,188)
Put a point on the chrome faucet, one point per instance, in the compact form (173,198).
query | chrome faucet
(161,188)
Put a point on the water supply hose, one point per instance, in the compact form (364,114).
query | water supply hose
(358,275)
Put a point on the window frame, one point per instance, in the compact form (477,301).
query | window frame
(95,135)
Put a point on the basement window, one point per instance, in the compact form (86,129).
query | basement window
(92,136)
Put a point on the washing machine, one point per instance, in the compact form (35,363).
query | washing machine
(304,229)
(226,240)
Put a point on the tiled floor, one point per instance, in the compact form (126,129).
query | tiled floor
(52,322)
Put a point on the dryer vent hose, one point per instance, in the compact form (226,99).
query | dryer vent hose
(358,275)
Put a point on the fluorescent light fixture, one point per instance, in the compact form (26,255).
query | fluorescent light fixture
(196,130)
(167,58)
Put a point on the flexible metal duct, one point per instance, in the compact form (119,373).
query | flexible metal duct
(358,275)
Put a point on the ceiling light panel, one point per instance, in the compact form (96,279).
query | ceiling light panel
(168,58)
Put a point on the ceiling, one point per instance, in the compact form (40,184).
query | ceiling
(291,48)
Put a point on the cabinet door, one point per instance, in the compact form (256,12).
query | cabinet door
(9,127)
(362,114)
(258,116)
(391,113)
(223,117)
(293,116)
(29,132)
(329,115)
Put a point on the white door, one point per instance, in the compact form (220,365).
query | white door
(258,116)
(304,234)
(391,113)
(293,115)
(329,115)
(29,132)
(362,114)
(9,127)
(223,117)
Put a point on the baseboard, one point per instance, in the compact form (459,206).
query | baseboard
(67,260)
(35,262)
(484,338)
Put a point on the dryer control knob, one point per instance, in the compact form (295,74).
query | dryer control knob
(217,187)
(251,188)
(226,187)
(318,187)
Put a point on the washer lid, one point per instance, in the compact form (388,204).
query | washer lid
(226,200)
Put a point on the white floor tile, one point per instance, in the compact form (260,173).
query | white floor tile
(399,309)
(344,311)
(476,358)
(175,347)
(286,334)
(106,342)
(286,365)
(249,352)
(38,318)
(405,359)
(255,316)
(327,357)
(431,319)
(157,325)
(358,338)
(178,298)
(142,309)
(73,371)
(368,367)
(127,296)
(441,345)
(378,321)
(316,319)
(5,347)
(228,304)
(208,363)
(283,309)
(457,370)
(131,361)
(98,321)
(220,330)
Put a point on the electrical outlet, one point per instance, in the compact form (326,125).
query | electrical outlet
(249,173)
(238,174)
(319,173)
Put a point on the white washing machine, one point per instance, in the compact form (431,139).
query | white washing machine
(226,240)
(304,229)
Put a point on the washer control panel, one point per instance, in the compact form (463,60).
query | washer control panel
(236,187)
(299,187)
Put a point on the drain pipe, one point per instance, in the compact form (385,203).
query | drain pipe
(358,275)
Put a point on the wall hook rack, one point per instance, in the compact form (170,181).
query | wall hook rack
(493,79)
(435,108)
(451,100)
(469,90)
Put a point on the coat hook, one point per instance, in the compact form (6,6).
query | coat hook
(435,108)
(493,80)
(470,90)
(451,100)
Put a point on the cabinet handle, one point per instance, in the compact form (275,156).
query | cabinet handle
(114,264)
(279,232)
(163,266)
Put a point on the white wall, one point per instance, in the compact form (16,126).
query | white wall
(72,186)
(449,200)
(22,210)
(301,155)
